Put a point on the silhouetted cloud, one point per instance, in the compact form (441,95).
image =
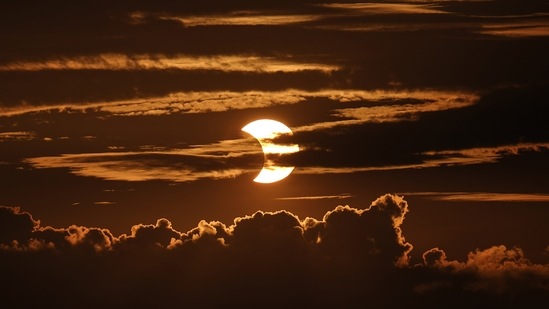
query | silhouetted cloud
(258,257)
(496,269)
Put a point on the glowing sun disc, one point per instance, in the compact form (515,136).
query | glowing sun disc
(264,131)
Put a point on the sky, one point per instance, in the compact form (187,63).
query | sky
(421,176)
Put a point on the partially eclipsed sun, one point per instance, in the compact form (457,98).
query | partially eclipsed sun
(265,130)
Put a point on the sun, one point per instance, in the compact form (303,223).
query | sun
(265,131)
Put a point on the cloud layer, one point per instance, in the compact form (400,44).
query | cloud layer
(351,257)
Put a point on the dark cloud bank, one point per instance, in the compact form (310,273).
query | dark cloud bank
(350,258)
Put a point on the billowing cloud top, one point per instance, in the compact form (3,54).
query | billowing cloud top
(355,254)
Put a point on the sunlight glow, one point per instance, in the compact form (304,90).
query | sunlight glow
(273,174)
(265,130)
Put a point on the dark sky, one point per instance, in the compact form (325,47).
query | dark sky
(125,178)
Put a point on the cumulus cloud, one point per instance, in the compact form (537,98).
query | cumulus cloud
(497,269)
(160,234)
(259,259)
(16,225)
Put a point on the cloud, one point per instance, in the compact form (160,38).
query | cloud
(482,196)
(481,154)
(16,225)
(159,235)
(497,269)
(386,8)
(349,254)
(104,203)
(225,63)
(223,101)
(241,19)
(430,159)
(233,158)
(180,102)
(532,28)
(400,112)
(315,197)
(17,136)
(171,165)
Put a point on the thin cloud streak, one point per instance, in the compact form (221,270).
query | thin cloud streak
(392,27)
(538,28)
(225,63)
(17,136)
(386,8)
(481,154)
(316,197)
(104,203)
(481,196)
(242,19)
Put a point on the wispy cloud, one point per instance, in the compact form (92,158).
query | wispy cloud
(214,161)
(104,203)
(226,63)
(221,101)
(518,29)
(429,101)
(251,18)
(224,160)
(202,102)
(17,136)
(481,196)
(366,26)
(471,156)
(481,154)
(316,197)
(387,8)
